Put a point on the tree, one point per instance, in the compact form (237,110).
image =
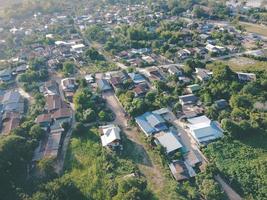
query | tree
(15,153)
(89,115)
(36,132)
(46,168)
(223,72)
(93,54)
(211,190)
(103,116)
(68,68)
(59,189)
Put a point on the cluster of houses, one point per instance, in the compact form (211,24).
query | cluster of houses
(54,121)
(12,108)
(202,130)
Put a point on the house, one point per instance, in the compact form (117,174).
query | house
(212,48)
(10,120)
(44,120)
(179,170)
(246,76)
(193,88)
(153,73)
(151,123)
(53,63)
(51,88)
(116,82)
(90,78)
(203,74)
(62,114)
(103,85)
(53,144)
(193,158)
(21,69)
(149,60)
(173,70)
(5,75)
(140,90)
(189,99)
(221,104)
(183,53)
(53,103)
(203,130)
(110,136)
(13,102)
(137,78)
(169,140)
(78,48)
(68,84)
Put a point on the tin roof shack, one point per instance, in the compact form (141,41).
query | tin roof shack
(244,77)
(169,140)
(181,171)
(13,102)
(151,123)
(189,99)
(5,75)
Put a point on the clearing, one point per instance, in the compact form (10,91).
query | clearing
(243,64)
(255,28)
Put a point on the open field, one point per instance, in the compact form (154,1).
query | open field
(243,64)
(255,28)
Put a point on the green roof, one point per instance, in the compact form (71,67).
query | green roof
(194,87)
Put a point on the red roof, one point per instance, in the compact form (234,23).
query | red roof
(62,113)
(43,118)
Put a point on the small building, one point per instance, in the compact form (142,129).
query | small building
(68,84)
(169,141)
(21,69)
(51,88)
(189,99)
(193,88)
(140,90)
(44,120)
(203,74)
(53,103)
(221,104)
(62,114)
(179,170)
(13,102)
(246,76)
(110,136)
(103,85)
(137,78)
(5,75)
(173,70)
(90,78)
(203,130)
(116,82)
(151,123)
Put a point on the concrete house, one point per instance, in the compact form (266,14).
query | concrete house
(203,130)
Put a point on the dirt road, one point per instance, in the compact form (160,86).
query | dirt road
(137,150)
(232,195)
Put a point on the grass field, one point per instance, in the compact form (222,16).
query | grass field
(255,28)
(243,64)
